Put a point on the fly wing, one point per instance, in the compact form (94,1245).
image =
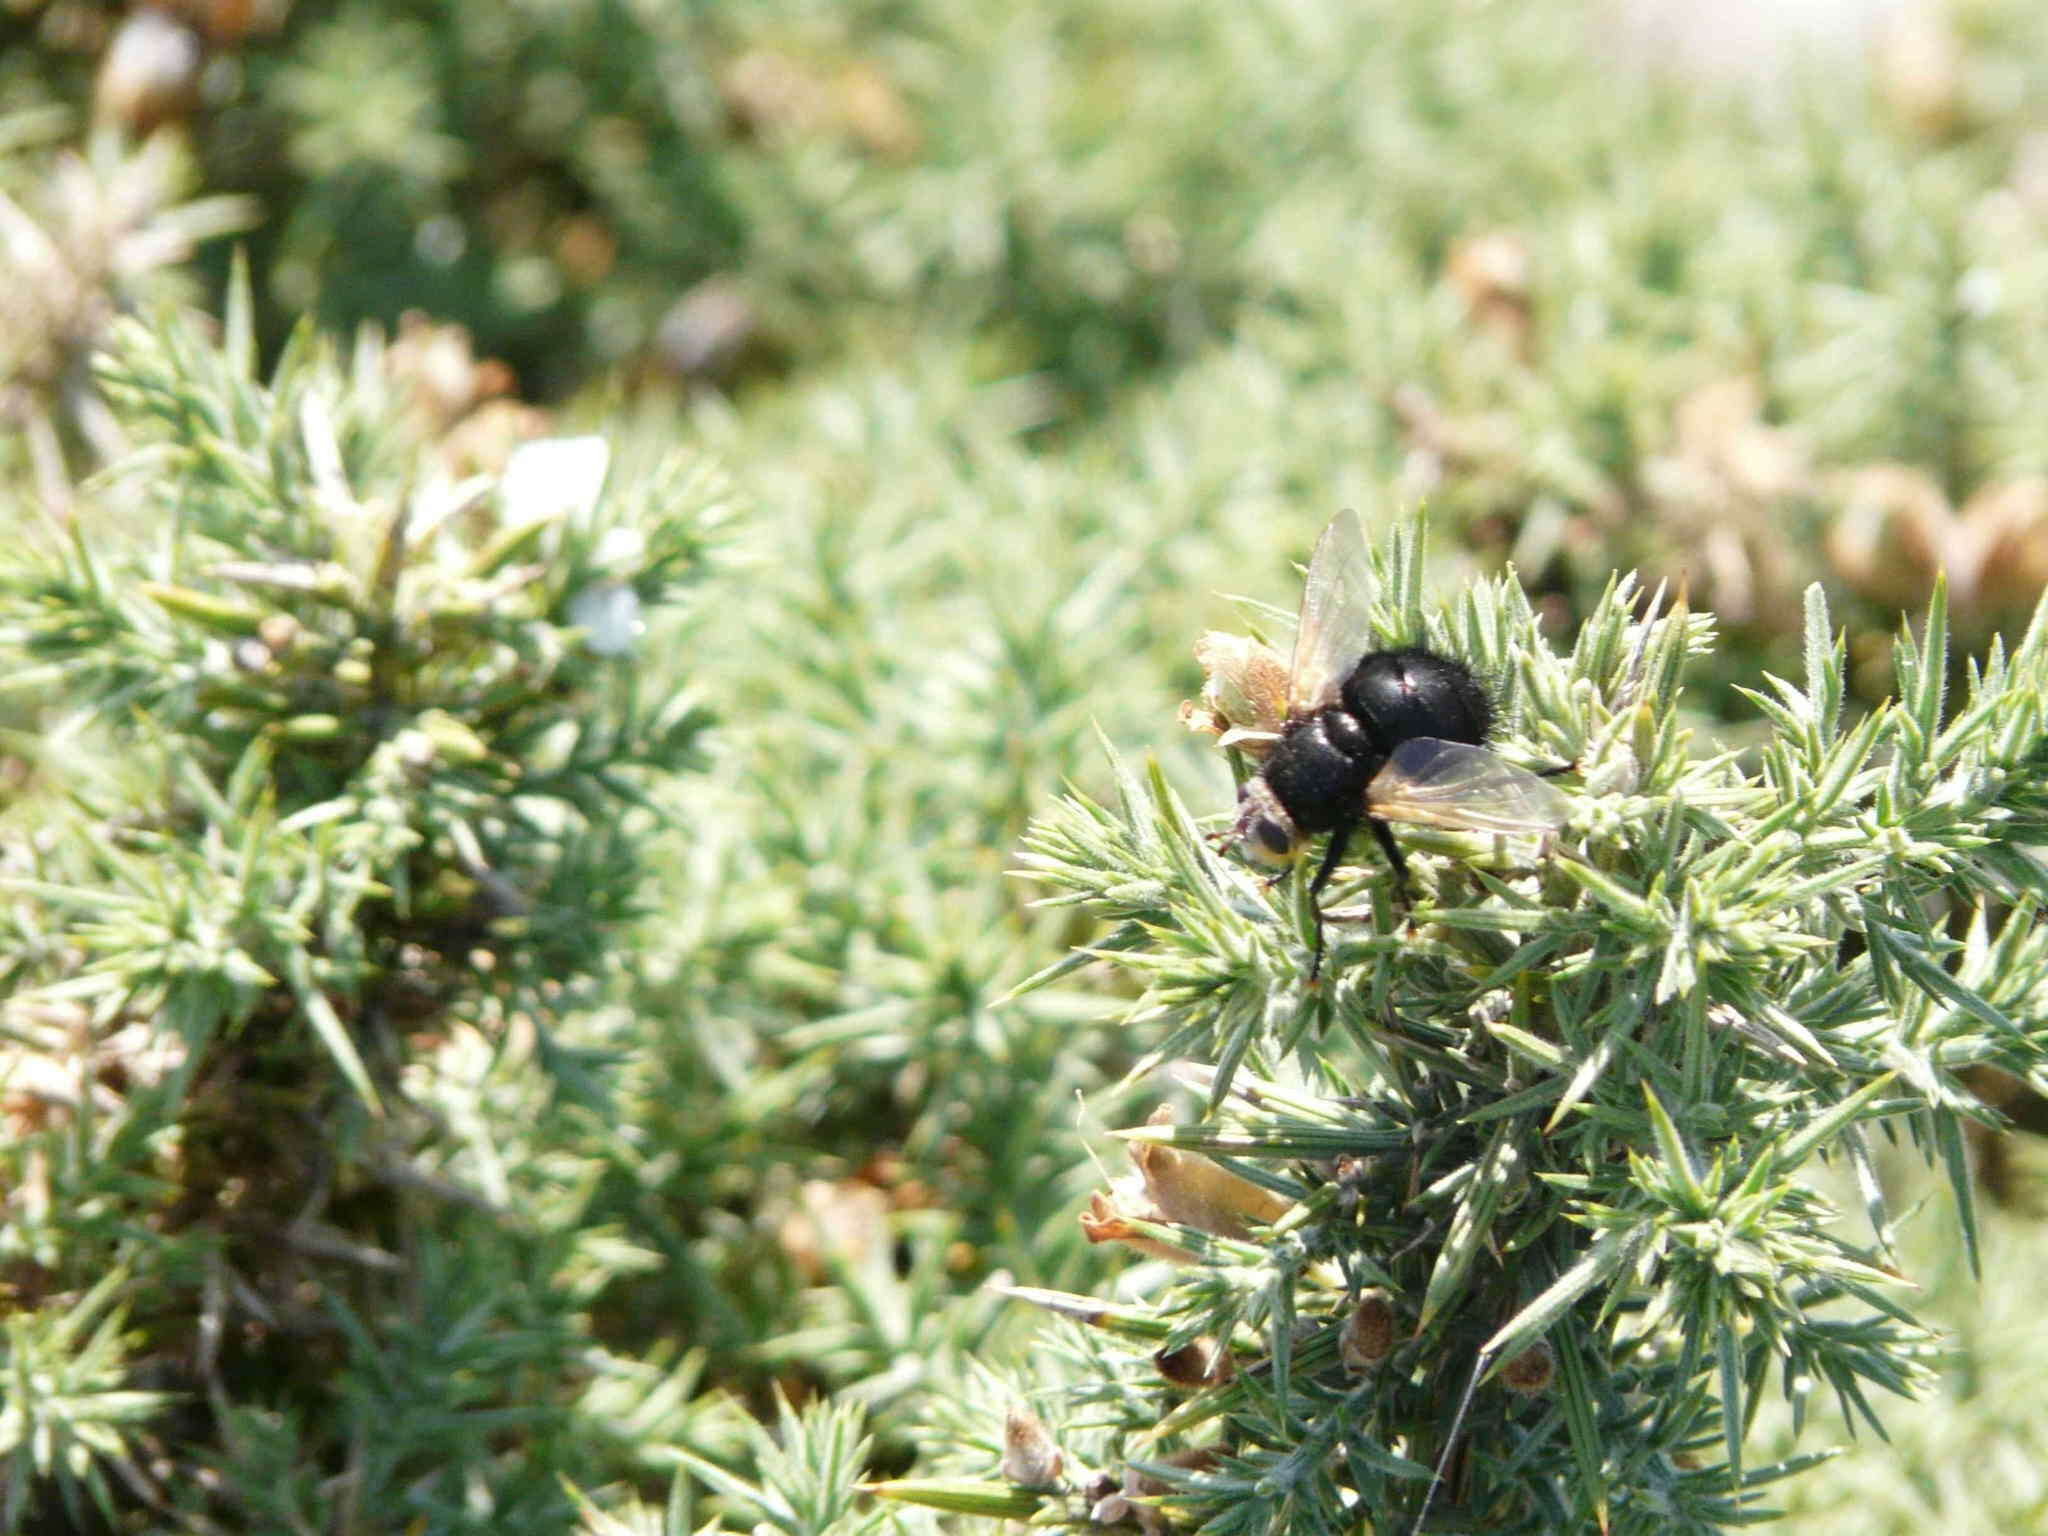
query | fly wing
(1450,784)
(1334,630)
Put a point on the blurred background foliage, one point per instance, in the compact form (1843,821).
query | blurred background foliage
(1020,333)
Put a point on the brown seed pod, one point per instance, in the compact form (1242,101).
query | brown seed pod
(1530,1372)
(1368,1334)
(150,72)
(1030,1459)
(1203,1362)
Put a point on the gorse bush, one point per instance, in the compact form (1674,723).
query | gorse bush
(342,800)
(424,1100)
(1509,1222)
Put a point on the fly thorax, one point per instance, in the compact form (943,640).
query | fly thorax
(1342,730)
(1319,772)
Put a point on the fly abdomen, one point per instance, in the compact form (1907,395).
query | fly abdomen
(1400,695)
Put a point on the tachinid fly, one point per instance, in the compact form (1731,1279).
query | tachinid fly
(1359,736)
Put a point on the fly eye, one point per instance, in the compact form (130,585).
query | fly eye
(1275,840)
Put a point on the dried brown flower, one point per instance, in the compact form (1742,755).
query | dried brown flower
(1181,1188)
(1244,692)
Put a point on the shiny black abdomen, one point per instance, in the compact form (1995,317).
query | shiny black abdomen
(1399,695)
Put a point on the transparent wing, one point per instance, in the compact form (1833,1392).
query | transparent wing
(1334,631)
(1450,784)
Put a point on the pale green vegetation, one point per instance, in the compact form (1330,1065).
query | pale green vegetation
(475,1040)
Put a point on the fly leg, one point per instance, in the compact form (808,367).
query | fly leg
(1331,856)
(1396,860)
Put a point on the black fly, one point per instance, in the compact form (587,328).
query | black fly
(1366,736)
